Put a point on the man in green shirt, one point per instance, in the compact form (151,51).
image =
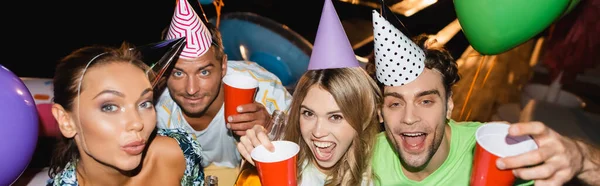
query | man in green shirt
(422,146)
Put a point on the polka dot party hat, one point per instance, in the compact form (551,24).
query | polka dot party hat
(398,60)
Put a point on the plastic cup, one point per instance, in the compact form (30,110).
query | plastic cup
(239,90)
(493,142)
(277,168)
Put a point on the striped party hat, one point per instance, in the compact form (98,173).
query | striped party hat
(186,23)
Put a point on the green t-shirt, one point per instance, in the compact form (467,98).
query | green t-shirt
(456,169)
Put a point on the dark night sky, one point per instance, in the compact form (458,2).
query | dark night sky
(40,33)
(48,30)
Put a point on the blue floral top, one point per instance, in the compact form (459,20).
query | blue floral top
(193,175)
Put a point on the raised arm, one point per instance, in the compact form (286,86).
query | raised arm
(557,160)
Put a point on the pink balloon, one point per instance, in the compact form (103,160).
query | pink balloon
(48,125)
(42,91)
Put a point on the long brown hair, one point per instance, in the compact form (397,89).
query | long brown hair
(358,97)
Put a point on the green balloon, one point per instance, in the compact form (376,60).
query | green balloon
(495,26)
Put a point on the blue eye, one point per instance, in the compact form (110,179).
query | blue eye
(109,108)
(147,105)
(177,73)
(204,73)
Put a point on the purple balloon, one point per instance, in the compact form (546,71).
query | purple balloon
(19,126)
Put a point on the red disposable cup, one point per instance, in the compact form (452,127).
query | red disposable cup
(493,142)
(277,168)
(239,90)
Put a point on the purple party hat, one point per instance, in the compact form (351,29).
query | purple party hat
(332,48)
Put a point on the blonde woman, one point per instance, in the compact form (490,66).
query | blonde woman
(333,118)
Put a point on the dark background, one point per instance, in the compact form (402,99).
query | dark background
(38,34)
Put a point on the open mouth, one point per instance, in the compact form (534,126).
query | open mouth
(324,150)
(413,141)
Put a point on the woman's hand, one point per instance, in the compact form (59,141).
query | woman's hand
(255,136)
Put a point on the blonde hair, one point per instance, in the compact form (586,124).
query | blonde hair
(358,97)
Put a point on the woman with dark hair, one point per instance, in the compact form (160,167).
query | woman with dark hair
(103,103)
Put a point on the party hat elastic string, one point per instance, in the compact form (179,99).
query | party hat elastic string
(79,128)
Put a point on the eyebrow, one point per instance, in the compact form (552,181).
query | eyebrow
(146,91)
(428,92)
(201,68)
(393,94)
(420,94)
(117,93)
(330,112)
